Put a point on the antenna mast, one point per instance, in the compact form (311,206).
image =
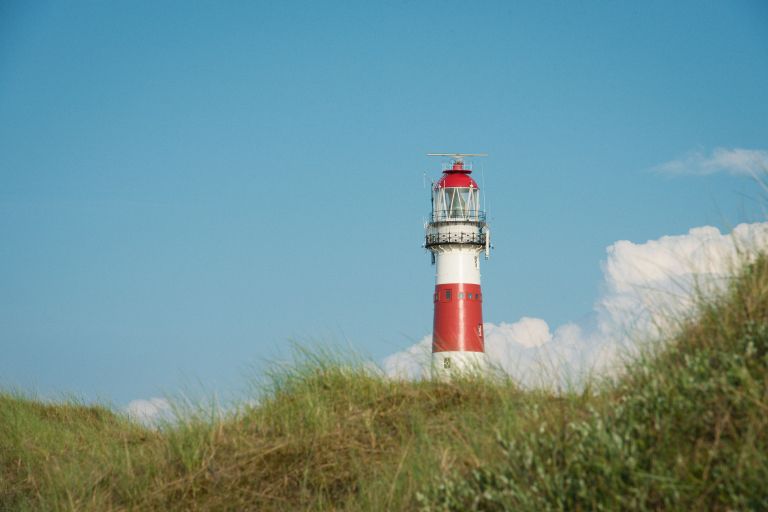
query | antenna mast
(458,157)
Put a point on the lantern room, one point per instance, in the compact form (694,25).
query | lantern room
(456,197)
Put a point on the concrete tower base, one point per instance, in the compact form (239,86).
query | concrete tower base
(449,364)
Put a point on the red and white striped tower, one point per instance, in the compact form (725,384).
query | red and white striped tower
(456,235)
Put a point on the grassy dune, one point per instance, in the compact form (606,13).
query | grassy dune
(684,428)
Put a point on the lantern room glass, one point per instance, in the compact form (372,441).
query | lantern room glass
(455,203)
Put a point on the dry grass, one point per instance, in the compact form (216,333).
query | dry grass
(686,427)
(329,437)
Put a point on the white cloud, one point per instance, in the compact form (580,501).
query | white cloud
(412,362)
(149,412)
(645,287)
(737,161)
(528,332)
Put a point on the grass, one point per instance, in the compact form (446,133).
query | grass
(685,427)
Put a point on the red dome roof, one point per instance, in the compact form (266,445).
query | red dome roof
(456,176)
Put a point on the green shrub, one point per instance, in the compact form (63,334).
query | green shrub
(684,428)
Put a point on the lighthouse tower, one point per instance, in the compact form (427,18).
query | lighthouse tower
(456,235)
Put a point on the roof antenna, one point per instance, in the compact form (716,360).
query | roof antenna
(457,157)
(482,179)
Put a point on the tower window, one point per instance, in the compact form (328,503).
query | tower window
(469,296)
(447,295)
(461,295)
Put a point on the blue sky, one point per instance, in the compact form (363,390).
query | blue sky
(185,187)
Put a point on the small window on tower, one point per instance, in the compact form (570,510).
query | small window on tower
(469,296)
(434,298)
(461,295)
(447,295)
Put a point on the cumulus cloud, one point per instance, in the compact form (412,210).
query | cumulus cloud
(149,412)
(737,161)
(645,288)
(411,363)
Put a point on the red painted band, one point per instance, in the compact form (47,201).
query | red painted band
(458,322)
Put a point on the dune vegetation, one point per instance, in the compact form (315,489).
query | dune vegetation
(683,427)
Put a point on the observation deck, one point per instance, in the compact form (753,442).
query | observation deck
(433,239)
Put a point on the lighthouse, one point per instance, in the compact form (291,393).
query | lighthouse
(456,235)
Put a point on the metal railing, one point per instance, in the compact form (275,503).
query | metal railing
(458,215)
(454,238)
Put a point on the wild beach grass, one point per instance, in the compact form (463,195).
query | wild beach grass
(685,427)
